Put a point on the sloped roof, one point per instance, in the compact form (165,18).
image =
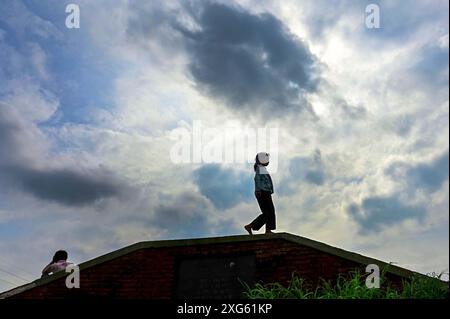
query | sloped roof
(402,272)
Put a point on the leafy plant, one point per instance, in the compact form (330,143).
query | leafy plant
(351,286)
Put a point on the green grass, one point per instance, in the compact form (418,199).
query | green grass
(352,286)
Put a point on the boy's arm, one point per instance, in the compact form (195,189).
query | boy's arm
(46,270)
(258,184)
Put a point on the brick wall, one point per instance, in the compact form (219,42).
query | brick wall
(151,272)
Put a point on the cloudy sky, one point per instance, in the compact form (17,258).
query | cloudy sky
(88,117)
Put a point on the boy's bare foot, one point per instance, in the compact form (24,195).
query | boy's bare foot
(269,232)
(249,229)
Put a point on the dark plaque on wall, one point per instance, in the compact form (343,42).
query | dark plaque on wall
(214,277)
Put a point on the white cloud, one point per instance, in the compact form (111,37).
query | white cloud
(443,41)
(32,101)
(39,59)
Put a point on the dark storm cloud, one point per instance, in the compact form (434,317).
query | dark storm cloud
(65,186)
(426,176)
(183,215)
(304,169)
(314,172)
(20,140)
(252,62)
(224,187)
(315,177)
(378,212)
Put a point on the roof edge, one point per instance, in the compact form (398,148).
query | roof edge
(358,258)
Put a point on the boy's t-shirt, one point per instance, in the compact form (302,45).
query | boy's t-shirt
(57,266)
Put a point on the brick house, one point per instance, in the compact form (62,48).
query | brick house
(204,268)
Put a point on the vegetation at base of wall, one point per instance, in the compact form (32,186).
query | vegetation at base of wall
(352,286)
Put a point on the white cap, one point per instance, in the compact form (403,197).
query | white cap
(263,157)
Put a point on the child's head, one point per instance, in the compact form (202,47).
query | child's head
(261,158)
(60,255)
